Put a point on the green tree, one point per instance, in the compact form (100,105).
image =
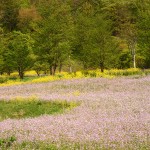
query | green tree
(1,50)
(103,44)
(95,46)
(6,63)
(27,19)
(124,16)
(55,33)
(20,47)
(143,25)
(9,14)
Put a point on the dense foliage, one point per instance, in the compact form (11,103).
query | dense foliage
(50,35)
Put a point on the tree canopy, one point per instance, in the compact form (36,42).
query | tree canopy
(53,35)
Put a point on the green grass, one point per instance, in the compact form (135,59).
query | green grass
(31,108)
(10,144)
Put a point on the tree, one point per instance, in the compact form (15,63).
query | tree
(102,43)
(6,63)
(95,45)
(54,34)
(10,12)
(124,17)
(27,19)
(20,47)
(1,50)
(143,25)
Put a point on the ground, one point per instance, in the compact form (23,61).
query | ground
(113,113)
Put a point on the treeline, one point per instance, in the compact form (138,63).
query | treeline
(50,35)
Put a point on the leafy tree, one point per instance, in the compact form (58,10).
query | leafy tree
(124,17)
(27,19)
(9,14)
(95,43)
(6,64)
(73,33)
(1,50)
(103,44)
(143,25)
(54,34)
(20,47)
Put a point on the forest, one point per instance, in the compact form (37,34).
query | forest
(72,35)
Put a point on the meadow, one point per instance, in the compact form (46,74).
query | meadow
(97,112)
(31,76)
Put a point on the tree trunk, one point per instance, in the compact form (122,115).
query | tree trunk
(51,70)
(132,47)
(70,69)
(8,73)
(21,73)
(60,68)
(102,66)
(134,60)
(38,72)
(54,69)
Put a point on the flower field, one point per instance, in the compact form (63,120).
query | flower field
(31,76)
(113,114)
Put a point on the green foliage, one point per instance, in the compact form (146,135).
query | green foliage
(65,145)
(20,47)
(124,60)
(10,12)
(1,49)
(38,67)
(3,79)
(7,143)
(126,72)
(143,25)
(68,33)
(54,34)
(95,41)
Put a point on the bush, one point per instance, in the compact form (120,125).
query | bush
(3,79)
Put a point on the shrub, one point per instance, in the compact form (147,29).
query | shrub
(3,79)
